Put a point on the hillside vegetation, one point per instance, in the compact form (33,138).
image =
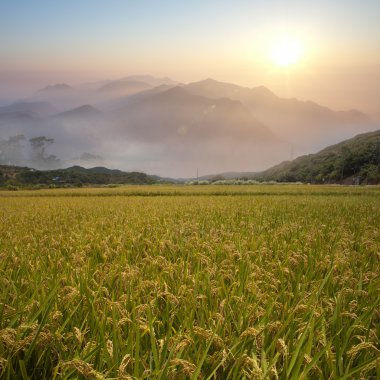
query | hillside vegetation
(356,160)
(13,176)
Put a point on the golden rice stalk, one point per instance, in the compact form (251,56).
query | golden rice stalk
(123,321)
(353,305)
(251,366)
(56,315)
(69,294)
(8,337)
(354,351)
(349,315)
(187,367)
(91,345)
(219,358)
(78,335)
(282,347)
(369,367)
(83,368)
(45,338)
(274,326)
(272,373)
(183,344)
(3,365)
(7,309)
(125,362)
(307,359)
(110,348)
(250,332)
(207,335)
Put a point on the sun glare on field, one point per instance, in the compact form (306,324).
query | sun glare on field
(286,52)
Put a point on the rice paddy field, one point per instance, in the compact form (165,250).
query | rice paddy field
(190,282)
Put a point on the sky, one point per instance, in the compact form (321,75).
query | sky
(44,41)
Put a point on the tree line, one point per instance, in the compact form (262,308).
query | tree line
(19,151)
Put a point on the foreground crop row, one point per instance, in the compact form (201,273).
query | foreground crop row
(212,287)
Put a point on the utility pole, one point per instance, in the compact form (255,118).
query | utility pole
(197,174)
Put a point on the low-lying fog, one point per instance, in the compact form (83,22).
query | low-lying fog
(158,126)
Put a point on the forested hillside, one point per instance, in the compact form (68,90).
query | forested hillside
(356,160)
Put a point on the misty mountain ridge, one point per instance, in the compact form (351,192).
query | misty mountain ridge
(18,116)
(63,96)
(124,87)
(83,111)
(259,96)
(56,88)
(177,114)
(122,101)
(146,79)
(303,123)
(212,88)
(171,128)
(38,108)
(151,80)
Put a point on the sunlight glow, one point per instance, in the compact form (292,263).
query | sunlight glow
(286,52)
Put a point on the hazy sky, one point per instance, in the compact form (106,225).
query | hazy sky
(45,41)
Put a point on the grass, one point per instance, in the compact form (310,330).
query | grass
(170,282)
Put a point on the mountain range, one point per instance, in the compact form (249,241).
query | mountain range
(162,126)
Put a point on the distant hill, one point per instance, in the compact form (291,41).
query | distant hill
(305,124)
(82,111)
(227,175)
(24,113)
(39,108)
(73,176)
(177,114)
(212,88)
(96,170)
(14,117)
(59,87)
(147,79)
(125,101)
(151,80)
(351,161)
(124,87)
(18,120)
(62,96)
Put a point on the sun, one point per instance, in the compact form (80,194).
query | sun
(286,52)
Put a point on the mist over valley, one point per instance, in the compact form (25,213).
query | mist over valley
(160,126)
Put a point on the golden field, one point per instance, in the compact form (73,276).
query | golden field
(190,282)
